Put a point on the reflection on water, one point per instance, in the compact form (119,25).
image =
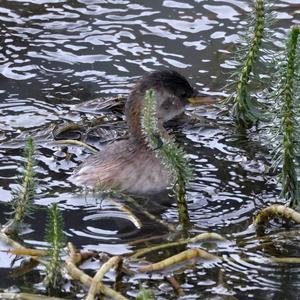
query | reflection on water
(57,54)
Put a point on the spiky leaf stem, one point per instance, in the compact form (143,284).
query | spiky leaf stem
(172,156)
(55,237)
(244,109)
(289,124)
(28,185)
(23,197)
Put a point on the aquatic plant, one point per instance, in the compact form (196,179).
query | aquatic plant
(145,294)
(285,132)
(23,196)
(290,126)
(245,108)
(285,125)
(56,239)
(171,155)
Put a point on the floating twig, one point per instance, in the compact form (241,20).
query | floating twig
(73,260)
(112,262)
(180,257)
(24,268)
(175,285)
(4,237)
(199,237)
(26,296)
(276,210)
(285,260)
(203,100)
(27,252)
(76,143)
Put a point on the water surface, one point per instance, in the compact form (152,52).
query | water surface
(55,55)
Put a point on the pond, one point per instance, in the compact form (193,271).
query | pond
(58,54)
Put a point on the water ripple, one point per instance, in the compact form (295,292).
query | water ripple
(57,53)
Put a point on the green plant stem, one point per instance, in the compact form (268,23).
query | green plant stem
(55,237)
(289,126)
(183,212)
(27,187)
(171,155)
(244,110)
(24,197)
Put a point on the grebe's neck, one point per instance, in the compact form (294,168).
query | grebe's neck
(133,113)
(134,110)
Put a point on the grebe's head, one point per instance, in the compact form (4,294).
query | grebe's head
(172,92)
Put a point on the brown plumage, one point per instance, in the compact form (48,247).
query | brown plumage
(130,165)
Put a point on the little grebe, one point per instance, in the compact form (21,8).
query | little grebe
(130,165)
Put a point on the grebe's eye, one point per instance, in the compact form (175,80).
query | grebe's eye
(183,94)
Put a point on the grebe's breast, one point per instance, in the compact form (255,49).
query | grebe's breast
(125,165)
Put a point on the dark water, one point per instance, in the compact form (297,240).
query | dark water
(57,54)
